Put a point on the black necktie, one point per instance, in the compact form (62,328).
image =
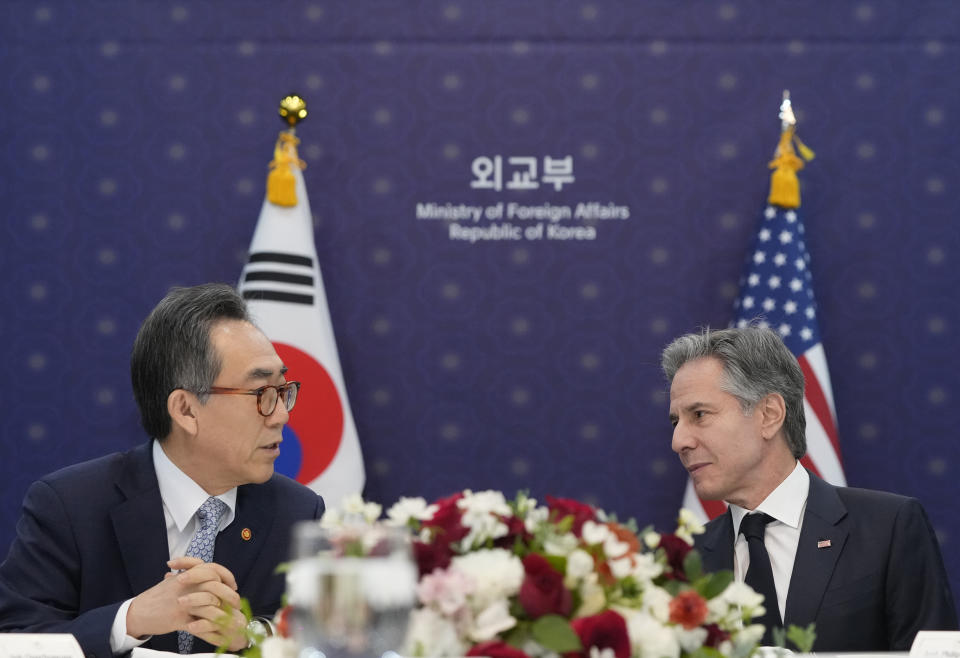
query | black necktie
(760,574)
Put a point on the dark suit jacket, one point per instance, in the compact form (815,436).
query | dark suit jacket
(93,535)
(880,580)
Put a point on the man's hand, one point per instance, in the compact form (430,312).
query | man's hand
(193,600)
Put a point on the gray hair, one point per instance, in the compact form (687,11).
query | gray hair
(173,349)
(755,364)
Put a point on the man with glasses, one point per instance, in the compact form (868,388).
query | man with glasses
(157,545)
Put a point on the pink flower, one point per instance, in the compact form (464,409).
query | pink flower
(445,590)
(607,630)
(542,591)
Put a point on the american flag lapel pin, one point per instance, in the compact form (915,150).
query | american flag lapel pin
(823,543)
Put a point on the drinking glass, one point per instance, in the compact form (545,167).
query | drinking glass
(350,590)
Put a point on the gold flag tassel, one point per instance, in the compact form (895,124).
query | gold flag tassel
(281,183)
(784,184)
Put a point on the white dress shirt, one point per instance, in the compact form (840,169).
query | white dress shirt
(786,505)
(181,497)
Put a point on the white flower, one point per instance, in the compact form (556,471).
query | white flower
(491,621)
(594,533)
(371,512)
(744,639)
(621,568)
(733,605)
(741,594)
(690,640)
(606,652)
(535,517)
(645,567)
(656,603)
(649,638)
(613,548)
(496,573)
(431,634)
(688,525)
(352,504)
(560,544)
(331,518)
(592,598)
(481,512)
(651,539)
(406,509)
(579,564)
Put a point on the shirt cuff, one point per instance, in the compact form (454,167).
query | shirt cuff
(120,642)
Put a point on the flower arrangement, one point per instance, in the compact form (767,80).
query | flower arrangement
(516,579)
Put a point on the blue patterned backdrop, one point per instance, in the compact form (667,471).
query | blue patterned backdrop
(134,141)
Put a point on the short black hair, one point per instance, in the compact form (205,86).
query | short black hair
(173,349)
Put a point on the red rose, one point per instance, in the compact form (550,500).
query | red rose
(715,636)
(560,508)
(542,592)
(446,520)
(516,529)
(608,630)
(688,609)
(677,550)
(496,649)
(432,556)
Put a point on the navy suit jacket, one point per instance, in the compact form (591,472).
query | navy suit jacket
(878,581)
(93,535)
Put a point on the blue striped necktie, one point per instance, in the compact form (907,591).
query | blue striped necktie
(201,546)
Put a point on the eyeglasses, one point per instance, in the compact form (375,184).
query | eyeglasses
(267,396)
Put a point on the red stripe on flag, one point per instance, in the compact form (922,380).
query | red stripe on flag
(713,508)
(810,466)
(818,402)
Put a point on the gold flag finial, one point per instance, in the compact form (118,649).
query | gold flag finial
(293,109)
(281,182)
(784,184)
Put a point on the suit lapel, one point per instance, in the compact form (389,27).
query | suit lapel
(138,522)
(239,544)
(140,529)
(821,542)
(715,545)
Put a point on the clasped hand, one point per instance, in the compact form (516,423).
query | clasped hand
(196,596)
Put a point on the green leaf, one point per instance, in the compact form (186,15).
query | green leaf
(802,638)
(517,635)
(672,587)
(715,583)
(693,566)
(705,652)
(558,562)
(554,633)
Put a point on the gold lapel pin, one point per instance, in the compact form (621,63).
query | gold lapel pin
(246,534)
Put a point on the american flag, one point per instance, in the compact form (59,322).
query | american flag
(776,292)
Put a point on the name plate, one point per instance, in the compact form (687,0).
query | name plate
(936,644)
(39,645)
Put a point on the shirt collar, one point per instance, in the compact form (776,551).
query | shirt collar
(785,503)
(180,494)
